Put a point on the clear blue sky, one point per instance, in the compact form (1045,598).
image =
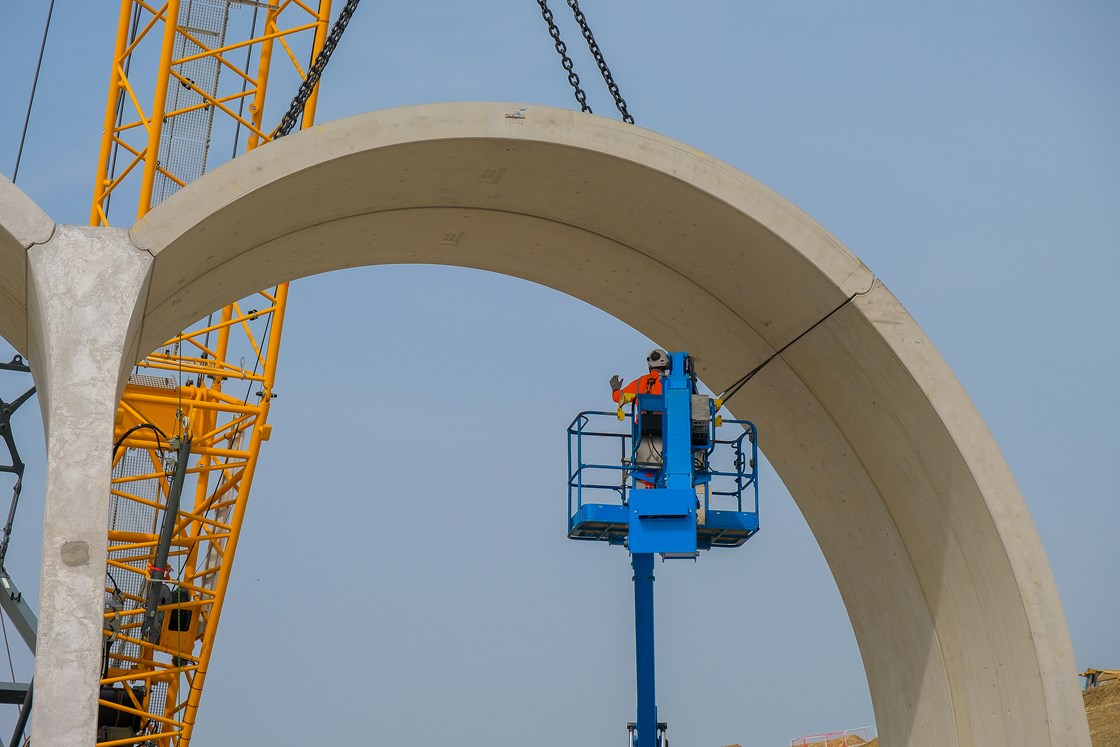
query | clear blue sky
(968,153)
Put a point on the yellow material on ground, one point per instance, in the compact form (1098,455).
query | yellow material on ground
(1102,706)
(850,741)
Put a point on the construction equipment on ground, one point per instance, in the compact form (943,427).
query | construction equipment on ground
(1094,677)
(676,485)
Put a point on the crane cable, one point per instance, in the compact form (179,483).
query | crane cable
(34,86)
(288,121)
(593,47)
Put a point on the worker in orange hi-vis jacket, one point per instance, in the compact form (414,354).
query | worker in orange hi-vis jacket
(658,362)
(648,453)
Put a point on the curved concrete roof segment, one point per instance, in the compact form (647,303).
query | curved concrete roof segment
(952,601)
(940,568)
(22,225)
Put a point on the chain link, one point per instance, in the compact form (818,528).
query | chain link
(592,45)
(562,50)
(308,85)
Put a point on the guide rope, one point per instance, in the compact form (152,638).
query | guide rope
(732,390)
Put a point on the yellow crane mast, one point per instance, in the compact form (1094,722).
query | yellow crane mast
(189,80)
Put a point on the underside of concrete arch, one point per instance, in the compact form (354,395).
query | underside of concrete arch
(951,599)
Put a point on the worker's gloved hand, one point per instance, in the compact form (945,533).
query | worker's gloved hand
(616,383)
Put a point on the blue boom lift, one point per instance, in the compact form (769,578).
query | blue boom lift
(678,488)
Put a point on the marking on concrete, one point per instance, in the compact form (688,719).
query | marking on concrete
(491,175)
(75,553)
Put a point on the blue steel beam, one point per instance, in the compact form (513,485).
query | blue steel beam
(677,435)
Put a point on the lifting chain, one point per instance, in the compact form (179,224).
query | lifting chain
(308,85)
(602,63)
(593,46)
(562,50)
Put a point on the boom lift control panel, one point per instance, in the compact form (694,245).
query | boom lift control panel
(678,480)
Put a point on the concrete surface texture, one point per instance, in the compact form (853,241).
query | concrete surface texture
(951,599)
(85,287)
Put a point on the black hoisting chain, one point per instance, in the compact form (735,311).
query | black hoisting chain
(593,46)
(316,71)
(566,61)
(600,61)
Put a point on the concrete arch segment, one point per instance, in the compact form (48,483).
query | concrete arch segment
(23,224)
(950,596)
(70,298)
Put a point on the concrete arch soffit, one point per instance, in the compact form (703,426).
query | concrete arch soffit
(950,596)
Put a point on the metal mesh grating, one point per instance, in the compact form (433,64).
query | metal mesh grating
(157,703)
(157,382)
(132,516)
(185,138)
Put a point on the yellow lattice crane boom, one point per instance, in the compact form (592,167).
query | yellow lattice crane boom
(189,80)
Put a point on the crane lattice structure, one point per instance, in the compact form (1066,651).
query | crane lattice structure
(194,413)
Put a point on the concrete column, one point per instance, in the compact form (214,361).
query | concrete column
(86,288)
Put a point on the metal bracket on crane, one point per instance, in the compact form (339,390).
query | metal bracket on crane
(18,611)
(11,598)
(158,593)
(7,410)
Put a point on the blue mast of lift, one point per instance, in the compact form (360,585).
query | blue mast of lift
(662,520)
(665,506)
(643,643)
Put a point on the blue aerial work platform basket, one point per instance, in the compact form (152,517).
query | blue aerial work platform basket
(599,488)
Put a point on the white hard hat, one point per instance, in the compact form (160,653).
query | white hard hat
(657,358)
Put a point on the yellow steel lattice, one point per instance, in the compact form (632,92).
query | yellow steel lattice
(188,76)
